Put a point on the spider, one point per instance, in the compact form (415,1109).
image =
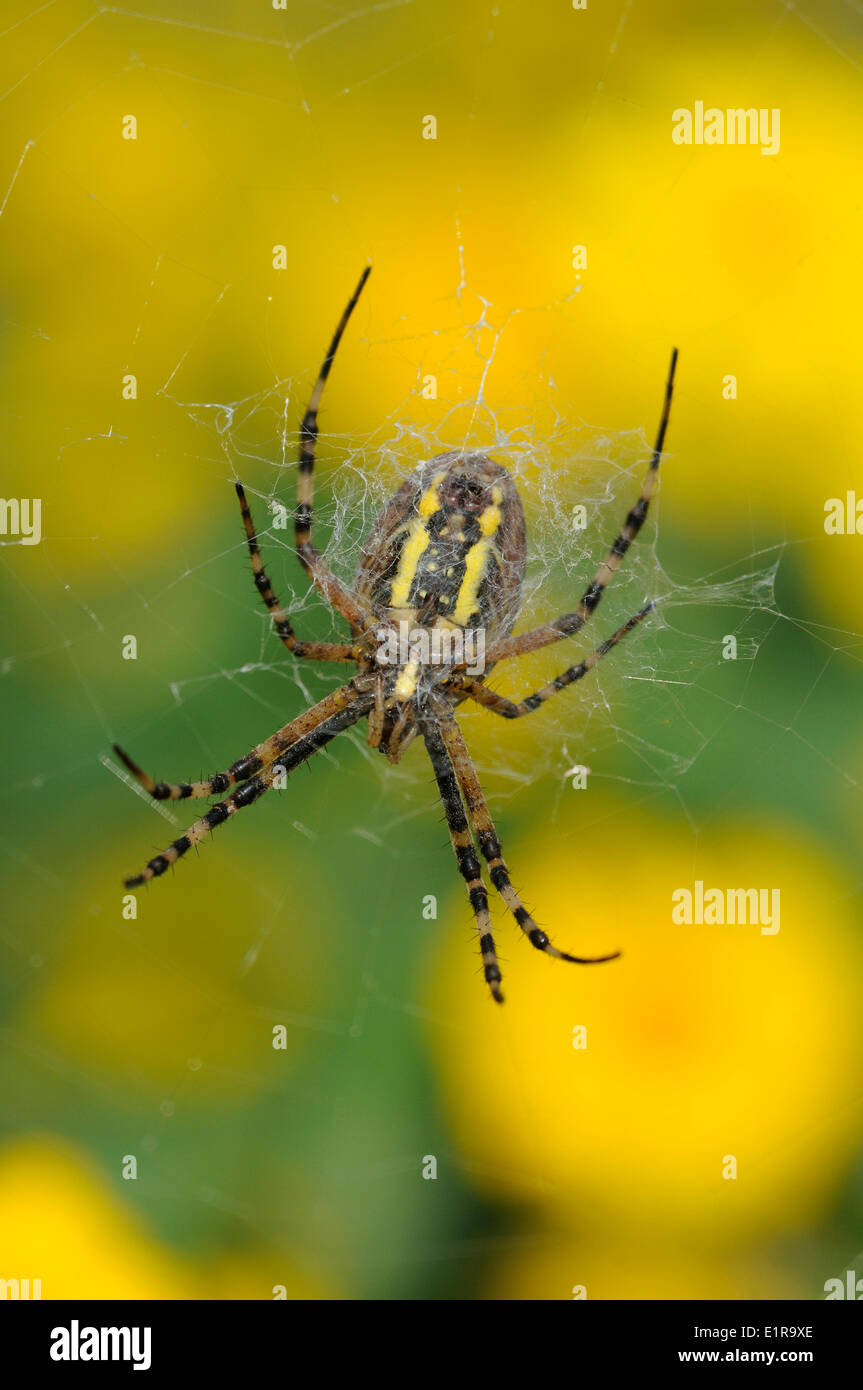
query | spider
(447,553)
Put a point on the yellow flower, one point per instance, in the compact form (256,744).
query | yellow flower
(182,1001)
(61,1224)
(718,1093)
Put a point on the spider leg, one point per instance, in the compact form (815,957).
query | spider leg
(489,844)
(294,752)
(377,715)
(404,731)
(465,853)
(316,651)
(288,748)
(508,709)
(336,593)
(250,763)
(570,623)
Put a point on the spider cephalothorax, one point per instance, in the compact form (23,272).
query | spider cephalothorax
(432,608)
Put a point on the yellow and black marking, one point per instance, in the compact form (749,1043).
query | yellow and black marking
(450,547)
(447,560)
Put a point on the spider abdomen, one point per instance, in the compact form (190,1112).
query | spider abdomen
(449,548)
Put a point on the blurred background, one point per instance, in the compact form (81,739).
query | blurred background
(165,304)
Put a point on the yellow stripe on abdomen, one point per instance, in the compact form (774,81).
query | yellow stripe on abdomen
(476,561)
(415,544)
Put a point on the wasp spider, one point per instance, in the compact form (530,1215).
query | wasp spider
(446,554)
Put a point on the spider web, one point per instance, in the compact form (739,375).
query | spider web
(651,717)
(577,484)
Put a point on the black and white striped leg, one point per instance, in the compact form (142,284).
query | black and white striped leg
(336,594)
(320,651)
(490,847)
(250,763)
(288,758)
(465,853)
(509,709)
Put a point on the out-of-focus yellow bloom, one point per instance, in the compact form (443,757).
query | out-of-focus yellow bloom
(184,999)
(60,1223)
(705,1044)
(747,261)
